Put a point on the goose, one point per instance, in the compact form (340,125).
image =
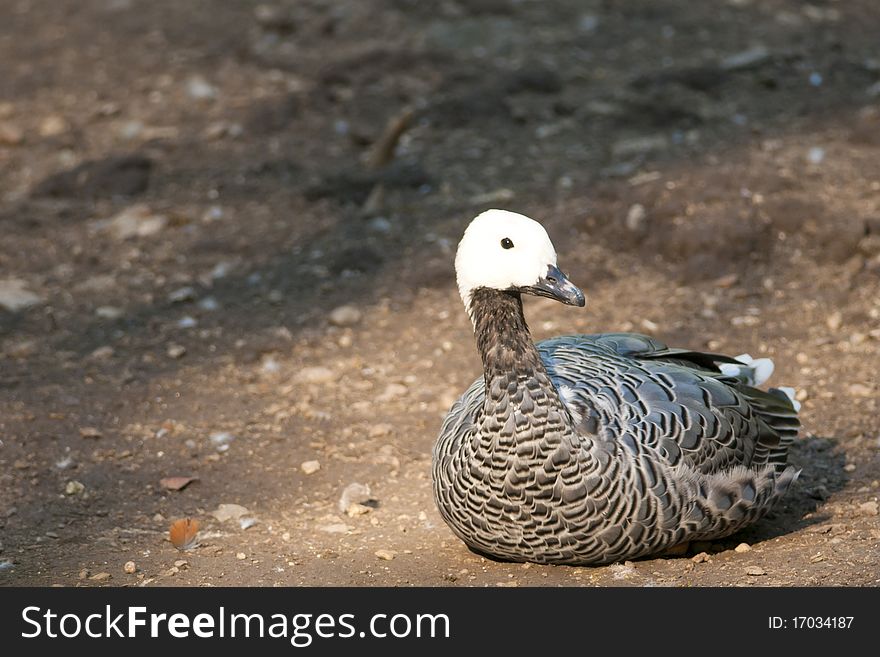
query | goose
(594,449)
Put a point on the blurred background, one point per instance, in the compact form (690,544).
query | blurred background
(226,281)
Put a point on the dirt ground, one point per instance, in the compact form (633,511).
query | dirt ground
(189,190)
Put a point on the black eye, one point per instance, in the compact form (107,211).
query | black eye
(506,243)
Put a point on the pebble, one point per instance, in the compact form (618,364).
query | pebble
(103,353)
(90,432)
(849,467)
(702,557)
(815,155)
(209,303)
(225,512)
(200,89)
(241,556)
(861,390)
(109,312)
(834,320)
(130,567)
(639,145)
(100,577)
(316,375)
(345,316)
(355,510)
(136,221)
(182,294)
(869,508)
(221,439)
(73,487)
(746,59)
(187,322)
(176,351)
(635,217)
(10,135)
(354,493)
(743,547)
(310,467)
(385,555)
(381,429)
(392,391)
(15,295)
(52,126)
(755,571)
(247,523)
(21,349)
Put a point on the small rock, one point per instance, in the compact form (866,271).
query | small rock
(869,508)
(381,429)
(182,294)
(100,577)
(90,432)
(816,155)
(746,59)
(861,390)
(849,467)
(73,487)
(10,135)
(834,320)
(310,467)
(385,555)
(241,556)
(392,391)
(353,494)
(65,463)
(221,440)
(639,146)
(130,568)
(109,312)
(181,563)
(635,218)
(355,510)
(743,547)
(247,523)
(316,375)
(199,88)
(702,557)
(225,512)
(103,353)
(502,195)
(176,351)
(187,322)
(21,349)
(6,564)
(136,221)
(345,316)
(52,126)
(15,295)
(755,571)
(176,483)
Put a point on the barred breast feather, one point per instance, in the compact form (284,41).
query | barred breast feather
(592,449)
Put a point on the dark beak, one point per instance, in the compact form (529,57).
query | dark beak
(555,285)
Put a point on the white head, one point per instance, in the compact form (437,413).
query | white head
(507,251)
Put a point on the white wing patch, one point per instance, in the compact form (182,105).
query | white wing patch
(753,371)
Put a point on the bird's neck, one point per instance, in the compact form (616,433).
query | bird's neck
(517,382)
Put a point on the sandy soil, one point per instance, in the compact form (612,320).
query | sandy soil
(188,191)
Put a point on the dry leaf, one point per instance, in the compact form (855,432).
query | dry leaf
(176,483)
(183,533)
